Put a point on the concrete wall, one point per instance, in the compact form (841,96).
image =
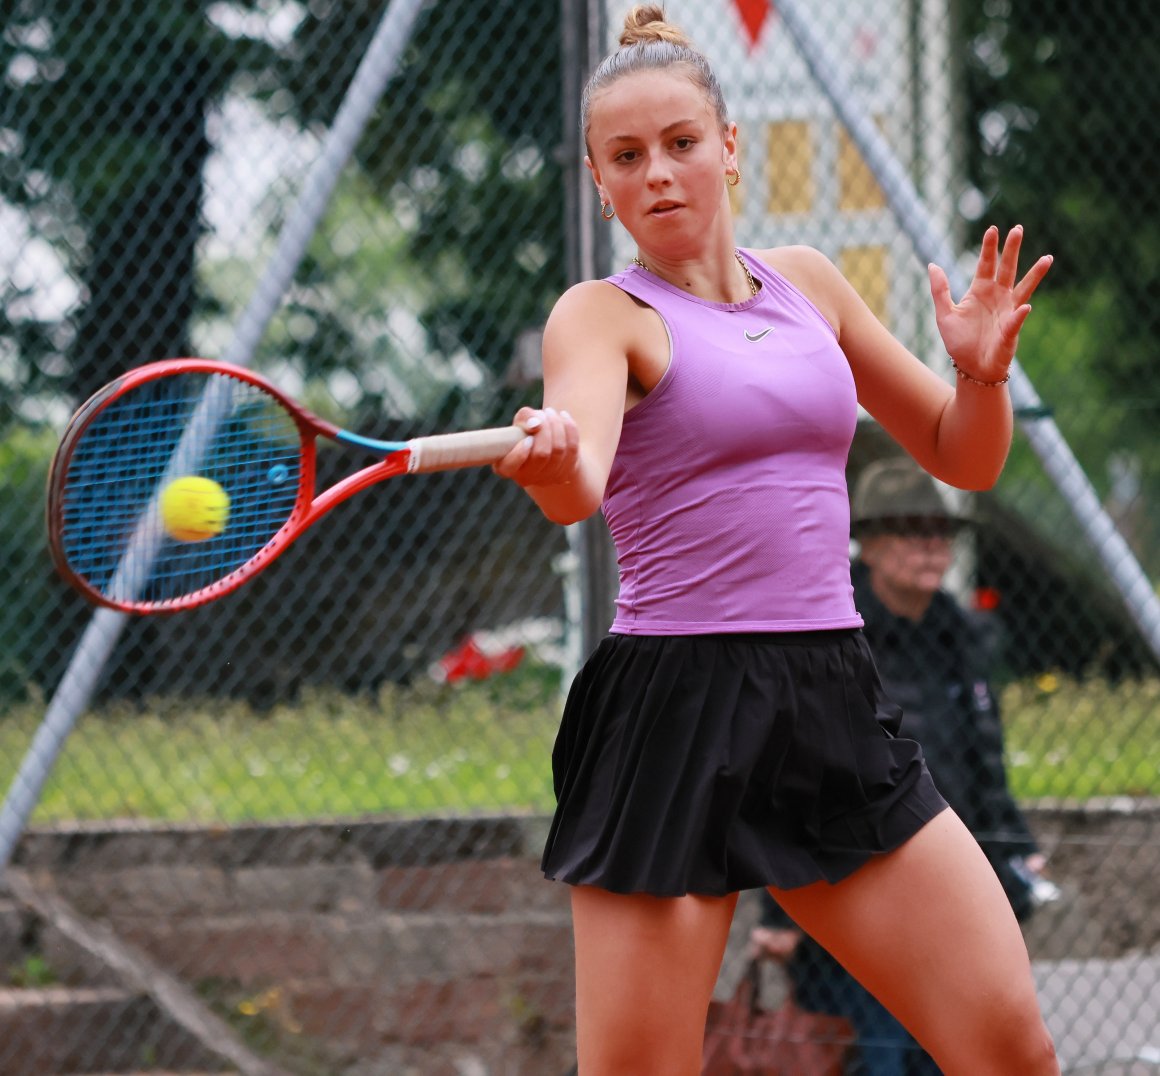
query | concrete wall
(436,946)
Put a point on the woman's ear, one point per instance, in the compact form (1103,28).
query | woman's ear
(595,172)
(729,148)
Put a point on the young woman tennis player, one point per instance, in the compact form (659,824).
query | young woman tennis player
(730,732)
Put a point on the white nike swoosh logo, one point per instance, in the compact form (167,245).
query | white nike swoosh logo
(754,337)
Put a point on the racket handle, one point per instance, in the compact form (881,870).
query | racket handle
(472,448)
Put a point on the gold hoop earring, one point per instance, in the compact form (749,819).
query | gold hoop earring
(606,210)
(733,177)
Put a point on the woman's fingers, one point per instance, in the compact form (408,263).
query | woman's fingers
(1002,266)
(1012,325)
(550,452)
(1009,260)
(940,290)
(988,255)
(528,419)
(1031,280)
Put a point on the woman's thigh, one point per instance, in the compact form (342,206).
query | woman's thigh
(928,930)
(645,971)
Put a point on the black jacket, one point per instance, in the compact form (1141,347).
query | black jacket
(936,670)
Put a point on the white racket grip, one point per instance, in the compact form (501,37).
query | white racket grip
(471,448)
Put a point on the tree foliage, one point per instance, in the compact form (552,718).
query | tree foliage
(1064,99)
(104,115)
(105,144)
(463,146)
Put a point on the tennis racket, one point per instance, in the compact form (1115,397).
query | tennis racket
(119,535)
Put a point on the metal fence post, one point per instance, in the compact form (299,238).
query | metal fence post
(589,252)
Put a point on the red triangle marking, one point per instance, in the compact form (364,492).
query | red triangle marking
(753,15)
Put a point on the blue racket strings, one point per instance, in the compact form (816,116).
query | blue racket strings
(113,533)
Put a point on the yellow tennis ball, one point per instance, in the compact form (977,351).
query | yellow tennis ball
(194,508)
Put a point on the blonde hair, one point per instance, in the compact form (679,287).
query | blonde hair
(649,43)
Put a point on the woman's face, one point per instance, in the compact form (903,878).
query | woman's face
(659,155)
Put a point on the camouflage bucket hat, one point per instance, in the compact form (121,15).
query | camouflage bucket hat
(898,494)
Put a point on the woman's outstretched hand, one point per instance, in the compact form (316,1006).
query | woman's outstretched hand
(981,330)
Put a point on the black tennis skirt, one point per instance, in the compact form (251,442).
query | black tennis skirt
(714,763)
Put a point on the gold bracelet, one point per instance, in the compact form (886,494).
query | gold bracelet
(975,381)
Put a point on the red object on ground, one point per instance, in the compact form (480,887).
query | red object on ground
(469,661)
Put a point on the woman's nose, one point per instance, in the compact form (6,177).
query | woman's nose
(658,171)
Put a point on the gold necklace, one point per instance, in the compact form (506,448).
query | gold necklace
(740,260)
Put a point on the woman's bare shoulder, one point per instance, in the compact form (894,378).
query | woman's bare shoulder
(799,261)
(813,274)
(600,314)
(592,296)
(590,319)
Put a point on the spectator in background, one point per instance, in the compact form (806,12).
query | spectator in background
(932,657)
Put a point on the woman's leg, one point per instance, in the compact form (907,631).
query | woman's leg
(927,929)
(645,972)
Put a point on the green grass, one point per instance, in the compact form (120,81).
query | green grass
(1081,739)
(477,747)
(419,750)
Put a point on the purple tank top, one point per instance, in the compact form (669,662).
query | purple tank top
(727,497)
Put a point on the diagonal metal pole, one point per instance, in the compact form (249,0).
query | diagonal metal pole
(933,246)
(72,695)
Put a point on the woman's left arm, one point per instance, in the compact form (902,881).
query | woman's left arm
(961,433)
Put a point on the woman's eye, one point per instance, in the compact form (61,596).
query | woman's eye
(683,143)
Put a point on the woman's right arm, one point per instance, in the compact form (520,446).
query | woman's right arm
(565,461)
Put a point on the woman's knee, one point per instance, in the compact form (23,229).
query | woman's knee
(1040,1054)
(639,1033)
(1006,1037)
(637,1046)
(1021,1043)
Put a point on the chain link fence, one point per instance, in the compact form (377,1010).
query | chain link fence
(297,831)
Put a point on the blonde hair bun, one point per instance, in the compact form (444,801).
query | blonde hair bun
(651,44)
(645,23)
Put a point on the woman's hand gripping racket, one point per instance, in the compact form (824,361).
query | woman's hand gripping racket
(179,481)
